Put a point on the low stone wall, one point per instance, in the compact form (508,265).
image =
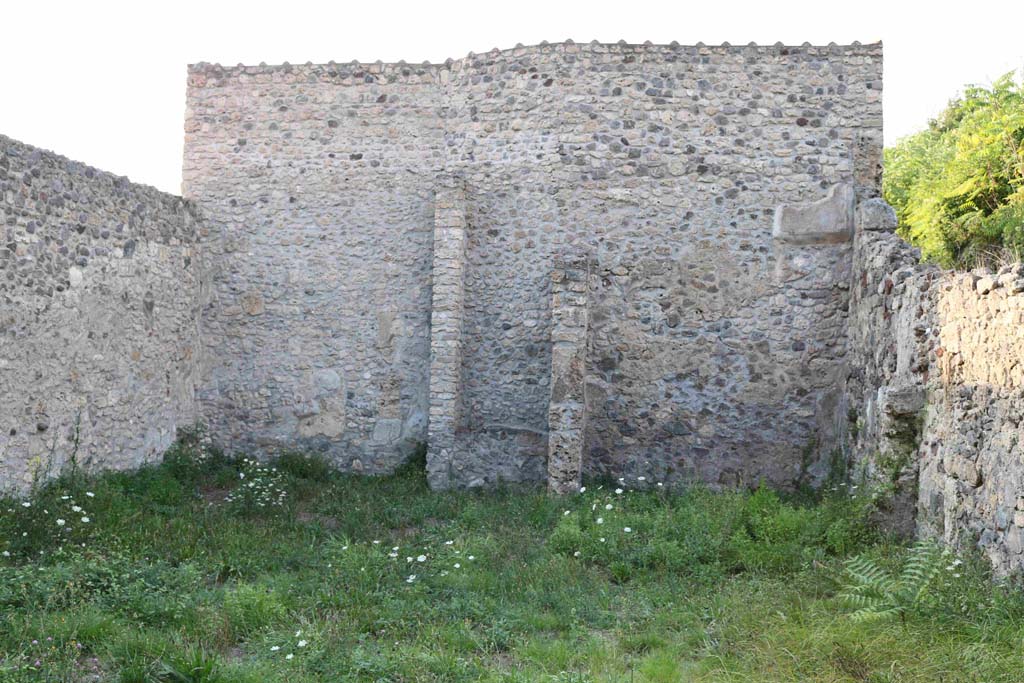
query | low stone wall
(936,393)
(99,306)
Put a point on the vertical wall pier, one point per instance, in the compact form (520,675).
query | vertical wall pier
(446,331)
(567,413)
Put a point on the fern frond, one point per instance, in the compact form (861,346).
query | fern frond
(873,614)
(876,614)
(866,572)
(923,563)
(859,602)
(876,594)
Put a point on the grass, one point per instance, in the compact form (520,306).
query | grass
(179,575)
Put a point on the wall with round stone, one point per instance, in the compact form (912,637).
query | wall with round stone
(100,289)
(318,185)
(715,348)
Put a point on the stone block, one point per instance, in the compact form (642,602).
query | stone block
(875,215)
(826,221)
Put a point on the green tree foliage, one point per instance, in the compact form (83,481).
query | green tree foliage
(958,186)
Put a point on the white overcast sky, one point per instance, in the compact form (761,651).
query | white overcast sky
(104,82)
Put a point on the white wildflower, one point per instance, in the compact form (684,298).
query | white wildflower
(85,520)
(421,558)
(627,529)
(608,506)
(26,504)
(90,494)
(618,491)
(583,489)
(275,648)
(303,643)
(289,656)
(61,522)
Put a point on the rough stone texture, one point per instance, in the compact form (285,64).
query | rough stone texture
(99,301)
(890,330)
(825,221)
(446,333)
(567,408)
(389,246)
(936,395)
(715,351)
(318,184)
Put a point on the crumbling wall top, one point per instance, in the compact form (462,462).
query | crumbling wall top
(346,68)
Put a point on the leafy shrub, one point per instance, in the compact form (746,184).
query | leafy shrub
(958,186)
(775,536)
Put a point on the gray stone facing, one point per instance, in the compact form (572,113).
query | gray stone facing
(101,285)
(715,351)
(567,409)
(318,183)
(446,333)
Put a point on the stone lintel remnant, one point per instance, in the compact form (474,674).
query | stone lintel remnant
(826,221)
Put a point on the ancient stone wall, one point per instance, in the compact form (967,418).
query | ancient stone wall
(318,183)
(100,290)
(936,393)
(716,340)
(653,262)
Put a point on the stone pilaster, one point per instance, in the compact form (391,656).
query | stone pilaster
(446,332)
(567,407)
